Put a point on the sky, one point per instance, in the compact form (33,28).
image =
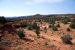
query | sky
(11,8)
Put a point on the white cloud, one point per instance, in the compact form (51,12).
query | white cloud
(29,2)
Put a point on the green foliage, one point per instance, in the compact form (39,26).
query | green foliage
(66,20)
(2,20)
(45,29)
(54,28)
(37,32)
(20,34)
(24,24)
(30,27)
(52,21)
(33,26)
(37,28)
(67,39)
(72,25)
(46,20)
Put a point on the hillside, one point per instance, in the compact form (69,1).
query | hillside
(38,32)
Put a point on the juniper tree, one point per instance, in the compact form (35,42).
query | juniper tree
(72,25)
(67,39)
(2,20)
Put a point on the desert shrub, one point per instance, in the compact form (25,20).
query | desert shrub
(58,25)
(2,20)
(65,21)
(68,29)
(72,25)
(46,44)
(54,28)
(67,39)
(37,32)
(24,25)
(45,29)
(30,27)
(46,20)
(52,21)
(37,28)
(20,34)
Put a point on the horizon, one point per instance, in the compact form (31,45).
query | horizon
(36,14)
(10,8)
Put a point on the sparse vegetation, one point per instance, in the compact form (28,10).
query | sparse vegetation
(2,20)
(67,39)
(45,29)
(54,28)
(37,32)
(24,24)
(66,20)
(37,28)
(58,25)
(20,34)
(30,27)
(72,25)
(33,32)
(68,29)
(46,44)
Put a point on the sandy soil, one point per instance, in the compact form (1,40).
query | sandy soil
(48,41)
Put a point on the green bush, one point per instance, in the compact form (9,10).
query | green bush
(35,26)
(45,29)
(21,34)
(3,20)
(72,25)
(52,22)
(65,21)
(24,24)
(37,32)
(67,39)
(30,27)
(54,28)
